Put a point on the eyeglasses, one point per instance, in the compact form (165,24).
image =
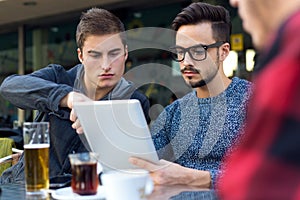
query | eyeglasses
(197,52)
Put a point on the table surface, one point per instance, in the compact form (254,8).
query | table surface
(175,192)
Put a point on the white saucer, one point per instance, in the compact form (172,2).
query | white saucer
(68,194)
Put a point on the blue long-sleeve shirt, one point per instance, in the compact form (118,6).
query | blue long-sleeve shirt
(197,132)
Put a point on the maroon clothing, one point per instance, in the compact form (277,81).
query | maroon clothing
(267,164)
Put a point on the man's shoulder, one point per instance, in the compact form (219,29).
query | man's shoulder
(138,95)
(241,89)
(60,72)
(181,101)
(60,68)
(240,81)
(56,67)
(242,85)
(187,96)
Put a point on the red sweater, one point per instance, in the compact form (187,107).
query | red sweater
(267,164)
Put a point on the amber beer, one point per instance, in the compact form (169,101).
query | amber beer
(36,150)
(36,167)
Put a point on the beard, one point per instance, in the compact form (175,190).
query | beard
(197,84)
(204,81)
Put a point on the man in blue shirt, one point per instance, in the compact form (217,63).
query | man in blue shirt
(193,134)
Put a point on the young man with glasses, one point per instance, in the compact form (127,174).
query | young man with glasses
(193,133)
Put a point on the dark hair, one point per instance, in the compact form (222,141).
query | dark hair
(202,12)
(97,21)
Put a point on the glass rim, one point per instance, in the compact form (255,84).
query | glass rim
(35,122)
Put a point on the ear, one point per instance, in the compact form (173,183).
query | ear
(80,55)
(126,52)
(224,51)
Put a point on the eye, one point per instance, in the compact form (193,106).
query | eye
(198,51)
(95,55)
(179,51)
(115,53)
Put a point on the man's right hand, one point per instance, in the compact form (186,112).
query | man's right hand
(72,97)
(68,101)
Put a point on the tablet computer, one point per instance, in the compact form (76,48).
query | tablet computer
(116,130)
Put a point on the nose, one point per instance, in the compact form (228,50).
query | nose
(187,59)
(106,68)
(234,3)
(105,65)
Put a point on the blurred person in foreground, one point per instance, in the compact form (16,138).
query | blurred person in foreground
(193,133)
(266,165)
(102,51)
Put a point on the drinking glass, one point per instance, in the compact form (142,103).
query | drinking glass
(84,173)
(36,149)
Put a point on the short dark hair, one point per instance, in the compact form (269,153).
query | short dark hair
(202,12)
(97,21)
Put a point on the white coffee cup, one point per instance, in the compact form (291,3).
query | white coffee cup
(132,184)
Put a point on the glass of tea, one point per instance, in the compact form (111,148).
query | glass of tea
(84,173)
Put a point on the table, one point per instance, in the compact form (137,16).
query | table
(175,192)
(14,191)
(181,192)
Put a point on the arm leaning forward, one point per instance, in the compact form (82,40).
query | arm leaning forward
(40,90)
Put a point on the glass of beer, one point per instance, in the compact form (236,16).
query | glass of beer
(36,148)
(84,173)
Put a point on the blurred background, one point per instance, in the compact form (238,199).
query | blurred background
(35,33)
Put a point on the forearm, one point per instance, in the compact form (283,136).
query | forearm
(30,92)
(175,174)
(197,178)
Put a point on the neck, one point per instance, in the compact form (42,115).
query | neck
(214,87)
(101,92)
(95,92)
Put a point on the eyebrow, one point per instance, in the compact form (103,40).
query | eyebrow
(98,52)
(93,51)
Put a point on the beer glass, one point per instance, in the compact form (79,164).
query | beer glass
(36,149)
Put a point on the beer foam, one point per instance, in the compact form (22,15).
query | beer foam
(36,146)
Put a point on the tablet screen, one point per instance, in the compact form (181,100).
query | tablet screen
(116,130)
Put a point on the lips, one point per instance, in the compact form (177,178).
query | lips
(106,75)
(189,72)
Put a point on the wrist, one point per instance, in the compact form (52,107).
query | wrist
(64,101)
(199,178)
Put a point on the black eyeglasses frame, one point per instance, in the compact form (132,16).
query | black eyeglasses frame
(205,47)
